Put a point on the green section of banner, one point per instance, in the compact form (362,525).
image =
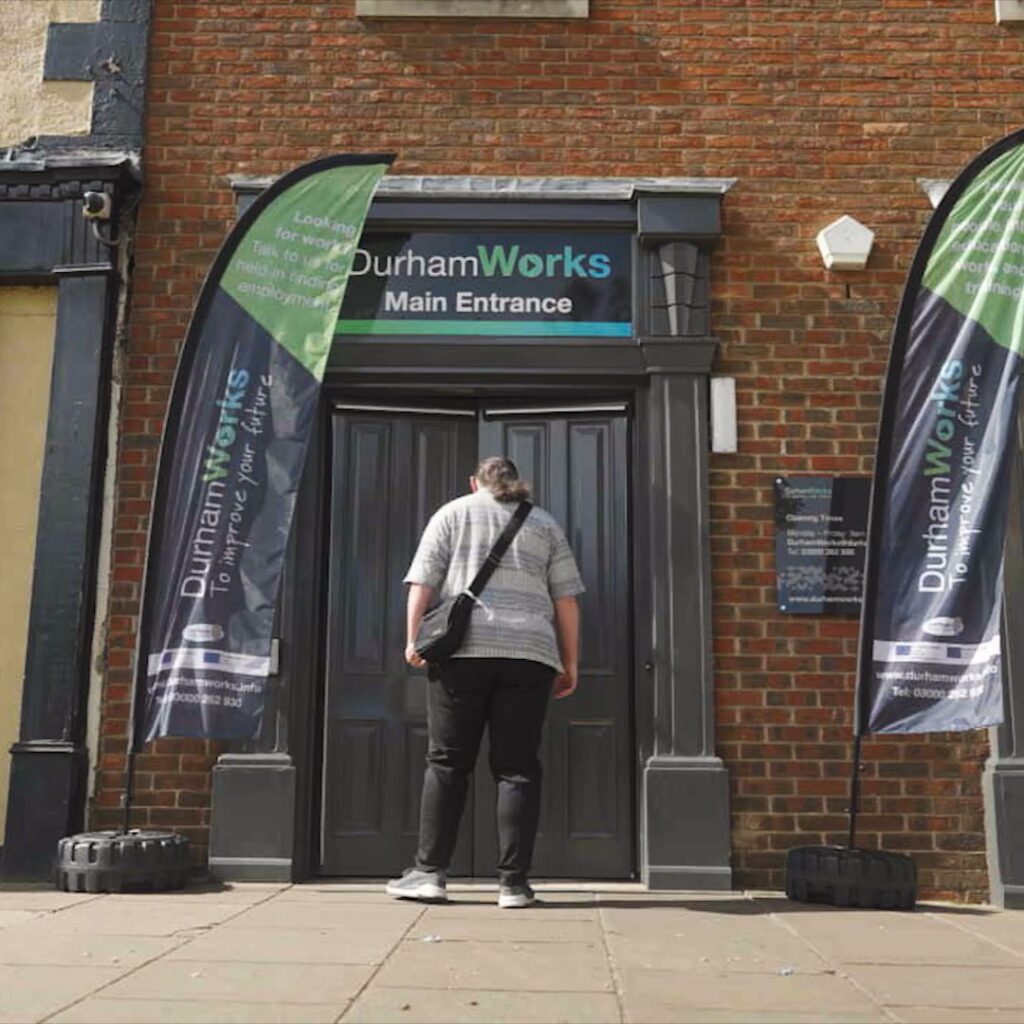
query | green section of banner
(290,272)
(977,264)
(493,328)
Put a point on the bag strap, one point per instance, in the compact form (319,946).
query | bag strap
(500,547)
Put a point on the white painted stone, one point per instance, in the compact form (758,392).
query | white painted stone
(934,189)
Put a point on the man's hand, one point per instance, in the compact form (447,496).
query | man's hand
(564,683)
(567,621)
(420,596)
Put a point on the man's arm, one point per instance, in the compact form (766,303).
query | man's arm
(420,596)
(567,621)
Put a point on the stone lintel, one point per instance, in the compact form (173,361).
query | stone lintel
(473,9)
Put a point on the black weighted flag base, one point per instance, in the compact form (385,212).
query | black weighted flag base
(846,876)
(122,861)
(129,860)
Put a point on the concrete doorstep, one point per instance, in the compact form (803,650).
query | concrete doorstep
(335,951)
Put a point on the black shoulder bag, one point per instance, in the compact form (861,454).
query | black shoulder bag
(443,628)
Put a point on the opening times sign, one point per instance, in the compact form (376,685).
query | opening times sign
(491,283)
(821,525)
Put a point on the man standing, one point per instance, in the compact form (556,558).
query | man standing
(521,647)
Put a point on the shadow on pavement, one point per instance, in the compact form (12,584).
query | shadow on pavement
(729,907)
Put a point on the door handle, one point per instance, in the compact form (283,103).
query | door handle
(648,666)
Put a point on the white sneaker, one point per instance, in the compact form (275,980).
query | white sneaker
(512,897)
(414,884)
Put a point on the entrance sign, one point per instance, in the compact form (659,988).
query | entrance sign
(821,528)
(507,283)
(930,644)
(238,426)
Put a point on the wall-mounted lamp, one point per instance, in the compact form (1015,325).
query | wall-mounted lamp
(723,415)
(846,244)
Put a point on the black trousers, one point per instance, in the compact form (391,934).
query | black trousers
(510,697)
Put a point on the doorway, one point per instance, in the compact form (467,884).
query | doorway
(392,464)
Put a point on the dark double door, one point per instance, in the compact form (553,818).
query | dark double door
(392,467)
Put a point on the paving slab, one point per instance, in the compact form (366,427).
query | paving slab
(13,918)
(356,945)
(894,938)
(505,966)
(42,899)
(295,914)
(968,989)
(695,942)
(935,1015)
(678,897)
(186,1011)
(705,1016)
(1005,927)
(546,907)
(313,952)
(228,892)
(781,905)
(343,884)
(653,917)
(236,982)
(80,949)
(319,894)
(110,916)
(504,927)
(469,1006)
(31,993)
(653,997)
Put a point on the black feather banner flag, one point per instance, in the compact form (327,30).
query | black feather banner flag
(238,426)
(930,646)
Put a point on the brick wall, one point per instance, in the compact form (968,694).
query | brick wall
(818,109)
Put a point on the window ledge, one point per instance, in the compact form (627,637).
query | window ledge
(472,8)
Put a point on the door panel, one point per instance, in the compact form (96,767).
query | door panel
(390,473)
(578,466)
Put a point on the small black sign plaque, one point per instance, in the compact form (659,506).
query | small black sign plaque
(821,525)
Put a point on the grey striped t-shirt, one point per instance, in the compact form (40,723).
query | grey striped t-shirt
(514,615)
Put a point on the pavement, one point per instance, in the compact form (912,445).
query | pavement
(327,951)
